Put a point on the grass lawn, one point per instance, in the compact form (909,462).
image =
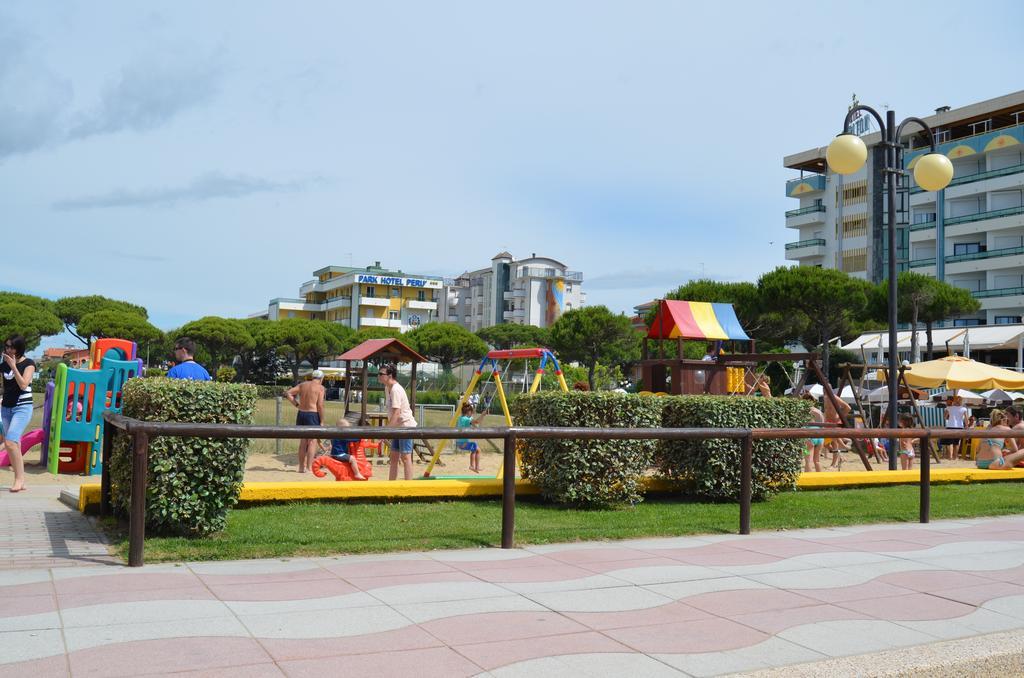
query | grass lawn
(326,528)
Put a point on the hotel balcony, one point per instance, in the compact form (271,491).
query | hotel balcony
(1014,172)
(805,249)
(814,183)
(513,294)
(422,305)
(804,216)
(380,322)
(374,301)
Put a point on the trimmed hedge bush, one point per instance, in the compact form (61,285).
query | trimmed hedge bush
(711,468)
(155,372)
(587,473)
(226,374)
(192,481)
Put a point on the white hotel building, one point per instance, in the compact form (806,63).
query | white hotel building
(533,291)
(971,234)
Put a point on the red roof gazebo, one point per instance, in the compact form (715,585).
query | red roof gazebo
(381,350)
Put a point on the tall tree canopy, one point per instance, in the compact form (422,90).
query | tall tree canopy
(592,335)
(305,340)
(446,344)
(948,301)
(72,309)
(117,324)
(821,302)
(27,316)
(221,338)
(508,335)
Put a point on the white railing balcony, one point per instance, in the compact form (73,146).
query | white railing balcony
(374,301)
(380,322)
(424,305)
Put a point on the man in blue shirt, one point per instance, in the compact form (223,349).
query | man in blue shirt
(187,367)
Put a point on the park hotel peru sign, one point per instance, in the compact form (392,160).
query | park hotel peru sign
(396,281)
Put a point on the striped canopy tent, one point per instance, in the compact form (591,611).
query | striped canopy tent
(696,320)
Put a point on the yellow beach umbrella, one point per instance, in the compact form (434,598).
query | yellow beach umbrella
(959,372)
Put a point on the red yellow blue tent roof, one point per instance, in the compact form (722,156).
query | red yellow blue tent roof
(697,320)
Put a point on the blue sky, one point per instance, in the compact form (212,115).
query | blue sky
(201,158)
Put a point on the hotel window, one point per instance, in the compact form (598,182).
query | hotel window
(966,248)
(421,295)
(967,322)
(1008,319)
(396,292)
(371,292)
(392,315)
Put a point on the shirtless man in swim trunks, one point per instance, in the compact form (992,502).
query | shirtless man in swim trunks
(309,398)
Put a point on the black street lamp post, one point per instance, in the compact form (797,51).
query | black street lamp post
(933,172)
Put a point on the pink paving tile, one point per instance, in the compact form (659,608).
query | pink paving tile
(39,588)
(165,656)
(598,555)
(475,566)
(703,635)
(913,607)
(779,620)
(720,556)
(71,600)
(555,572)
(428,663)
(881,546)
(388,568)
(17,606)
(312,574)
(126,582)
(249,671)
(871,589)
(663,614)
(294,590)
(1012,574)
(370,583)
(49,667)
(929,581)
(783,548)
(408,638)
(730,603)
(612,565)
(492,655)
(495,626)
(982,593)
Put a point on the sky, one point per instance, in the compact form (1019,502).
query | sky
(202,158)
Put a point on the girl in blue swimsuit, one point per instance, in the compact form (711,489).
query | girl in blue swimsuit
(991,450)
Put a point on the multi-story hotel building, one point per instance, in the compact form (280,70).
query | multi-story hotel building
(532,291)
(970,234)
(364,297)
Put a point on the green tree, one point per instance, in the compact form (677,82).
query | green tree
(72,309)
(367,333)
(31,300)
(947,302)
(446,344)
(261,363)
(31,321)
(820,303)
(221,338)
(507,335)
(305,340)
(914,293)
(117,324)
(593,335)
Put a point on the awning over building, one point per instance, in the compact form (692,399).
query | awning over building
(983,338)
(696,320)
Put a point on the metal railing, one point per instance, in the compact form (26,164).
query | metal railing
(805,210)
(810,242)
(981,216)
(988,254)
(1000,292)
(978,176)
(142,432)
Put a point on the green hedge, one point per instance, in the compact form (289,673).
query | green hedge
(711,468)
(192,481)
(587,473)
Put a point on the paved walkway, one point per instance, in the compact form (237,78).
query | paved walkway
(38,531)
(655,607)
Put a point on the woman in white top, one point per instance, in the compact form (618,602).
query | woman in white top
(956,417)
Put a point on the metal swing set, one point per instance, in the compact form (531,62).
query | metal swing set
(493,386)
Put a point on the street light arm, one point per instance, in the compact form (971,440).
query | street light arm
(924,126)
(861,107)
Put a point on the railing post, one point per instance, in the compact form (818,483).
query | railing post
(108,445)
(277,422)
(137,516)
(746,479)
(926,477)
(508,493)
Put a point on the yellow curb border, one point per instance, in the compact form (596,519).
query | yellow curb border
(255,492)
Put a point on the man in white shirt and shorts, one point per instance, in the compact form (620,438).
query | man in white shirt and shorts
(396,404)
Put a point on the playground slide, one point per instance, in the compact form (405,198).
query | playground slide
(28,441)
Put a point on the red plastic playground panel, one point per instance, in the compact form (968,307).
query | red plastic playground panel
(518,353)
